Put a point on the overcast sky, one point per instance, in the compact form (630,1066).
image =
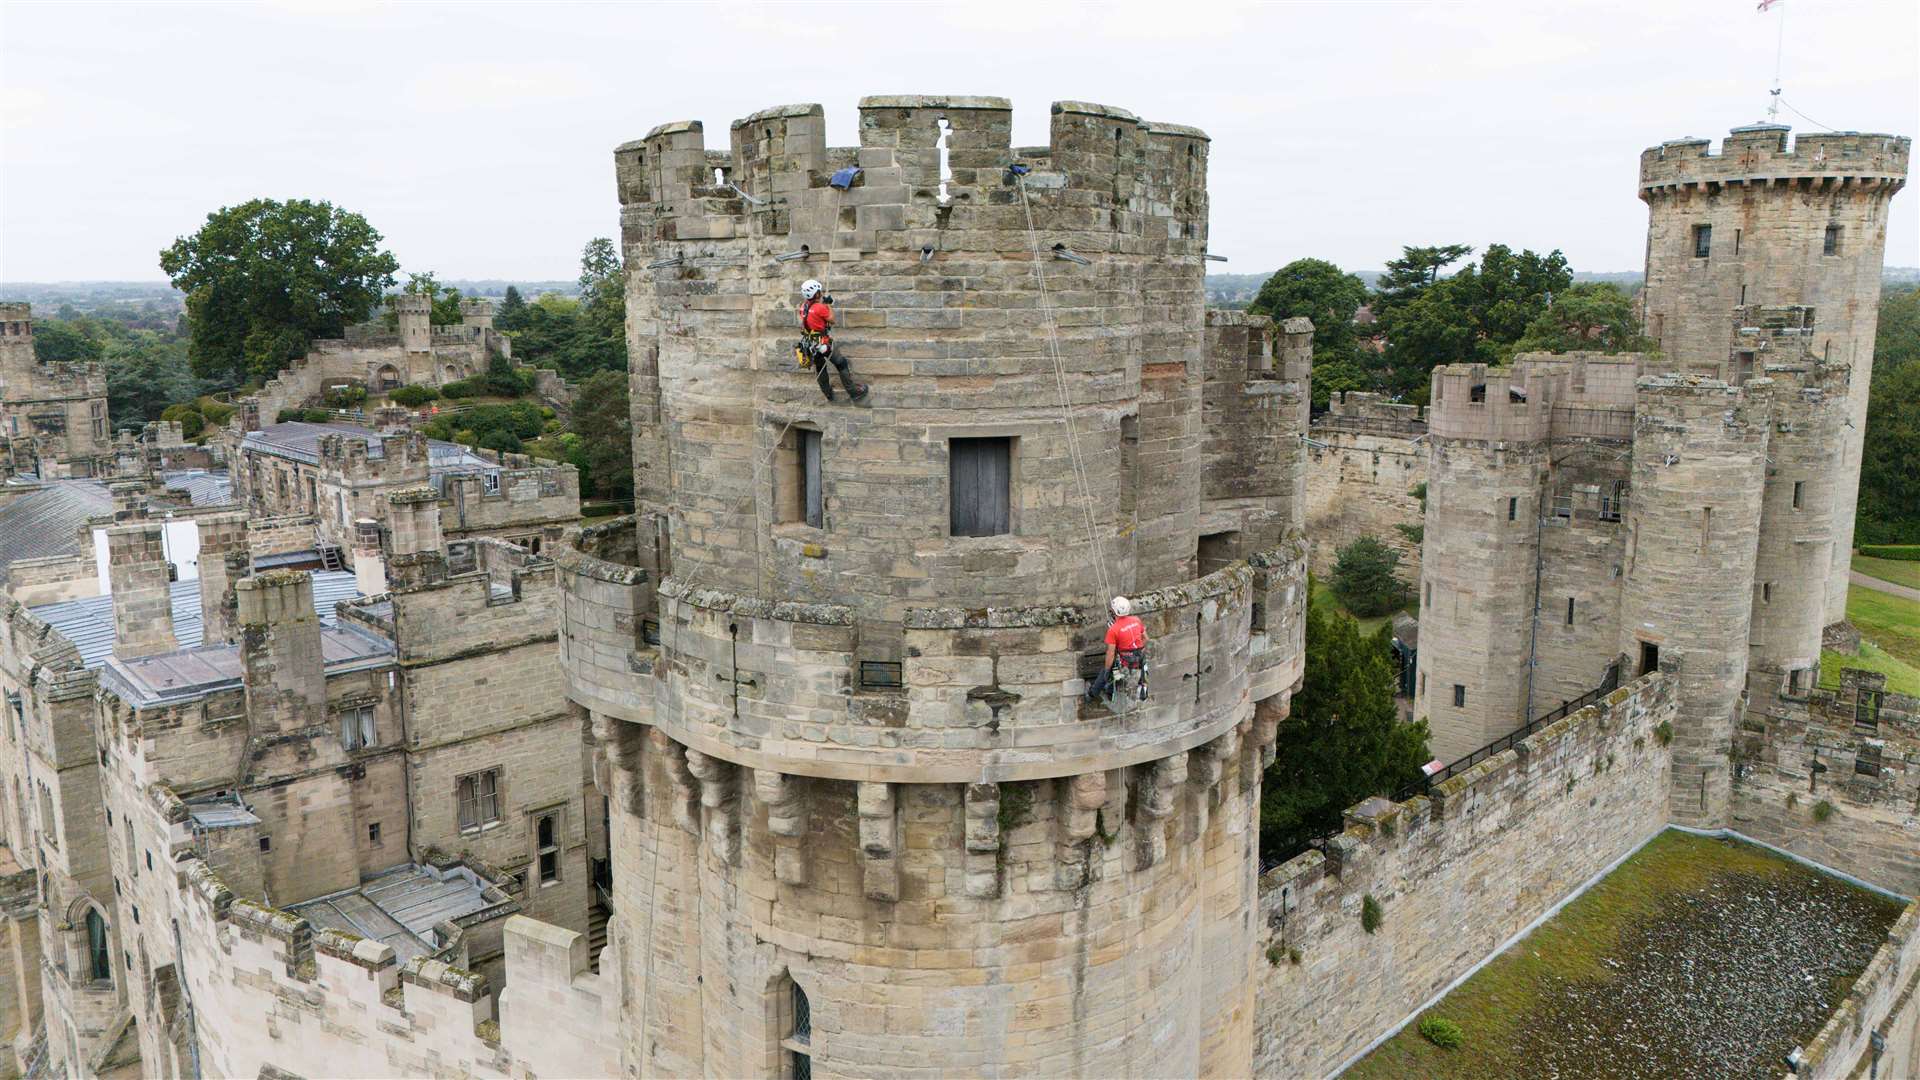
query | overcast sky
(478,137)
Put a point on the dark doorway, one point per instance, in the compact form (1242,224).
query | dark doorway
(1649,657)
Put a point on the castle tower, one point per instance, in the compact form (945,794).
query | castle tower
(1486,467)
(1765,222)
(1798,510)
(414,313)
(476,316)
(16,343)
(861,821)
(1699,464)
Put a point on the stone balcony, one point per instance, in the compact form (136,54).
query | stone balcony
(985,696)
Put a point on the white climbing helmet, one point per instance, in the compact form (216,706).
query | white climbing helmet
(810,289)
(1121,606)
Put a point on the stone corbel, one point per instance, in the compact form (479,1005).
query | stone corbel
(1159,788)
(787,821)
(682,789)
(879,833)
(719,802)
(1079,818)
(983,840)
(619,744)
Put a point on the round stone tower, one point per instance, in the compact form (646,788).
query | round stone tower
(1768,222)
(1699,461)
(1485,475)
(862,823)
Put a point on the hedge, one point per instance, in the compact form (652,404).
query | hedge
(311,416)
(412,396)
(1899,552)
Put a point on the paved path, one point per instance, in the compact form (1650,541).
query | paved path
(1883,585)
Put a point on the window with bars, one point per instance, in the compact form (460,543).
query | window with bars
(1831,246)
(479,797)
(1702,241)
(546,831)
(880,675)
(1613,501)
(1867,761)
(799,1040)
(356,728)
(1459,696)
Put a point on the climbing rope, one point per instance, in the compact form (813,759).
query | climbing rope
(1066,396)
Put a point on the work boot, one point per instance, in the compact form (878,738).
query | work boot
(827,390)
(859,392)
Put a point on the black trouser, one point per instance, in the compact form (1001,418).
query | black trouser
(1103,682)
(846,374)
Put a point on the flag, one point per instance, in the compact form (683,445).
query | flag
(1765,4)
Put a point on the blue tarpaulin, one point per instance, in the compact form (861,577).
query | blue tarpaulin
(845,177)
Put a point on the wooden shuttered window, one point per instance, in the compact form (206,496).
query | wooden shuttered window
(981,486)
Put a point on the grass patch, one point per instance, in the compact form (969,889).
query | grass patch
(1900,572)
(1587,964)
(1889,621)
(1324,594)
(1902,677)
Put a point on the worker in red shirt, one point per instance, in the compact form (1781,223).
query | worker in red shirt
(816,323)
(1126,648)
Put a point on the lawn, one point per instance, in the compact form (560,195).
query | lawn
(1323,594)
(1902,678)
(1889,621)
(1697,957)
(1895,570)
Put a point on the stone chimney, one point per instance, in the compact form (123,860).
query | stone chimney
(129,500)
(222,536)
(416,554)
(142,603)
(369,571)
(280,659)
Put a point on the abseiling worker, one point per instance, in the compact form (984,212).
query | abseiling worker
(816,324)
(1126,648)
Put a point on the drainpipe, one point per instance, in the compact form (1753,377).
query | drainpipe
(1533,632)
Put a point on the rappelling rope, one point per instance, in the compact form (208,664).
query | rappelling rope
(1066,397)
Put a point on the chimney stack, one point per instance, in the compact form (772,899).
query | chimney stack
(280,659)
(221,536)
(415,552)
(369,572)
(137,574)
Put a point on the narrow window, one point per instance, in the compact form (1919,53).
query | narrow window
(1569,611)
(1743,367)
(1832,244)
(547,839)
(1766,592)
(1793,681)
(1215,551)
(1743,294)
(799,1040)
(1513,508)
(1799,487)
(1736,243)
(1649,657)
(1867,761)
(479,797)
(1563,505)
(1427,600)
(373,834)
(99,960)
(1129,464)
(1613,502)
(981,475)
(356,728)
(493,483)
(149,856)
(1706,528)
(47,829)
(1702,241)
(133,849)
(812,503)
(266,843)
(1423,684)
(1459,696)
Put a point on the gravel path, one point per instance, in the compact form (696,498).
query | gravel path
(1891,588)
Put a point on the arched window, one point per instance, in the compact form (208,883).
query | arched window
(99,959)
(799,1040)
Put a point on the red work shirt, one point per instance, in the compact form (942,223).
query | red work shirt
(817,317)
(1127,634)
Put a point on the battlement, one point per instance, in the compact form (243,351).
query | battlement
(776,155)
(1352,405)
(15,312)
(1472,401)
(411,304)
(1764,154)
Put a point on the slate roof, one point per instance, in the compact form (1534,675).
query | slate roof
(203,487)
(401,906)
(297,440)
(88,621)
(46,523)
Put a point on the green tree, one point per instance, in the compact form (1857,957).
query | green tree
(1342,740)
(265,278)
(1322,292)
(1365,578)
(445,309)
(1590,315)
(1477,315)
(61,340)
(513,311)
(600,271)
(605,427)
(1409,275)
(145,376)
(1889,505)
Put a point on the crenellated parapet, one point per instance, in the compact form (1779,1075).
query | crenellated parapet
(1762,154)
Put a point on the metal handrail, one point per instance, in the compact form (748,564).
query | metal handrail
(1504,742)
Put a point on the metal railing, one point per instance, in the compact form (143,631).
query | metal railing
(1504,742)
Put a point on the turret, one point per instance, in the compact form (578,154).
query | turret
(1771,220)
(414,312)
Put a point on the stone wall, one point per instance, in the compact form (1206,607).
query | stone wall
(1884,1001)
(1365,461)
(60,577)
(1455,874)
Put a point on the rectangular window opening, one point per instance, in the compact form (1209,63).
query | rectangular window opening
(1215,551)
(266,843)
(1831,246)
(1459,696)
(1702,241)
(1569,611)
(478,795)
(1736,241)
(1799,489)
(373,833)
(1706,528)
(880,675)
(547,845)
(1649,657)
(1766,592)
(1513,508)
(981,485)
